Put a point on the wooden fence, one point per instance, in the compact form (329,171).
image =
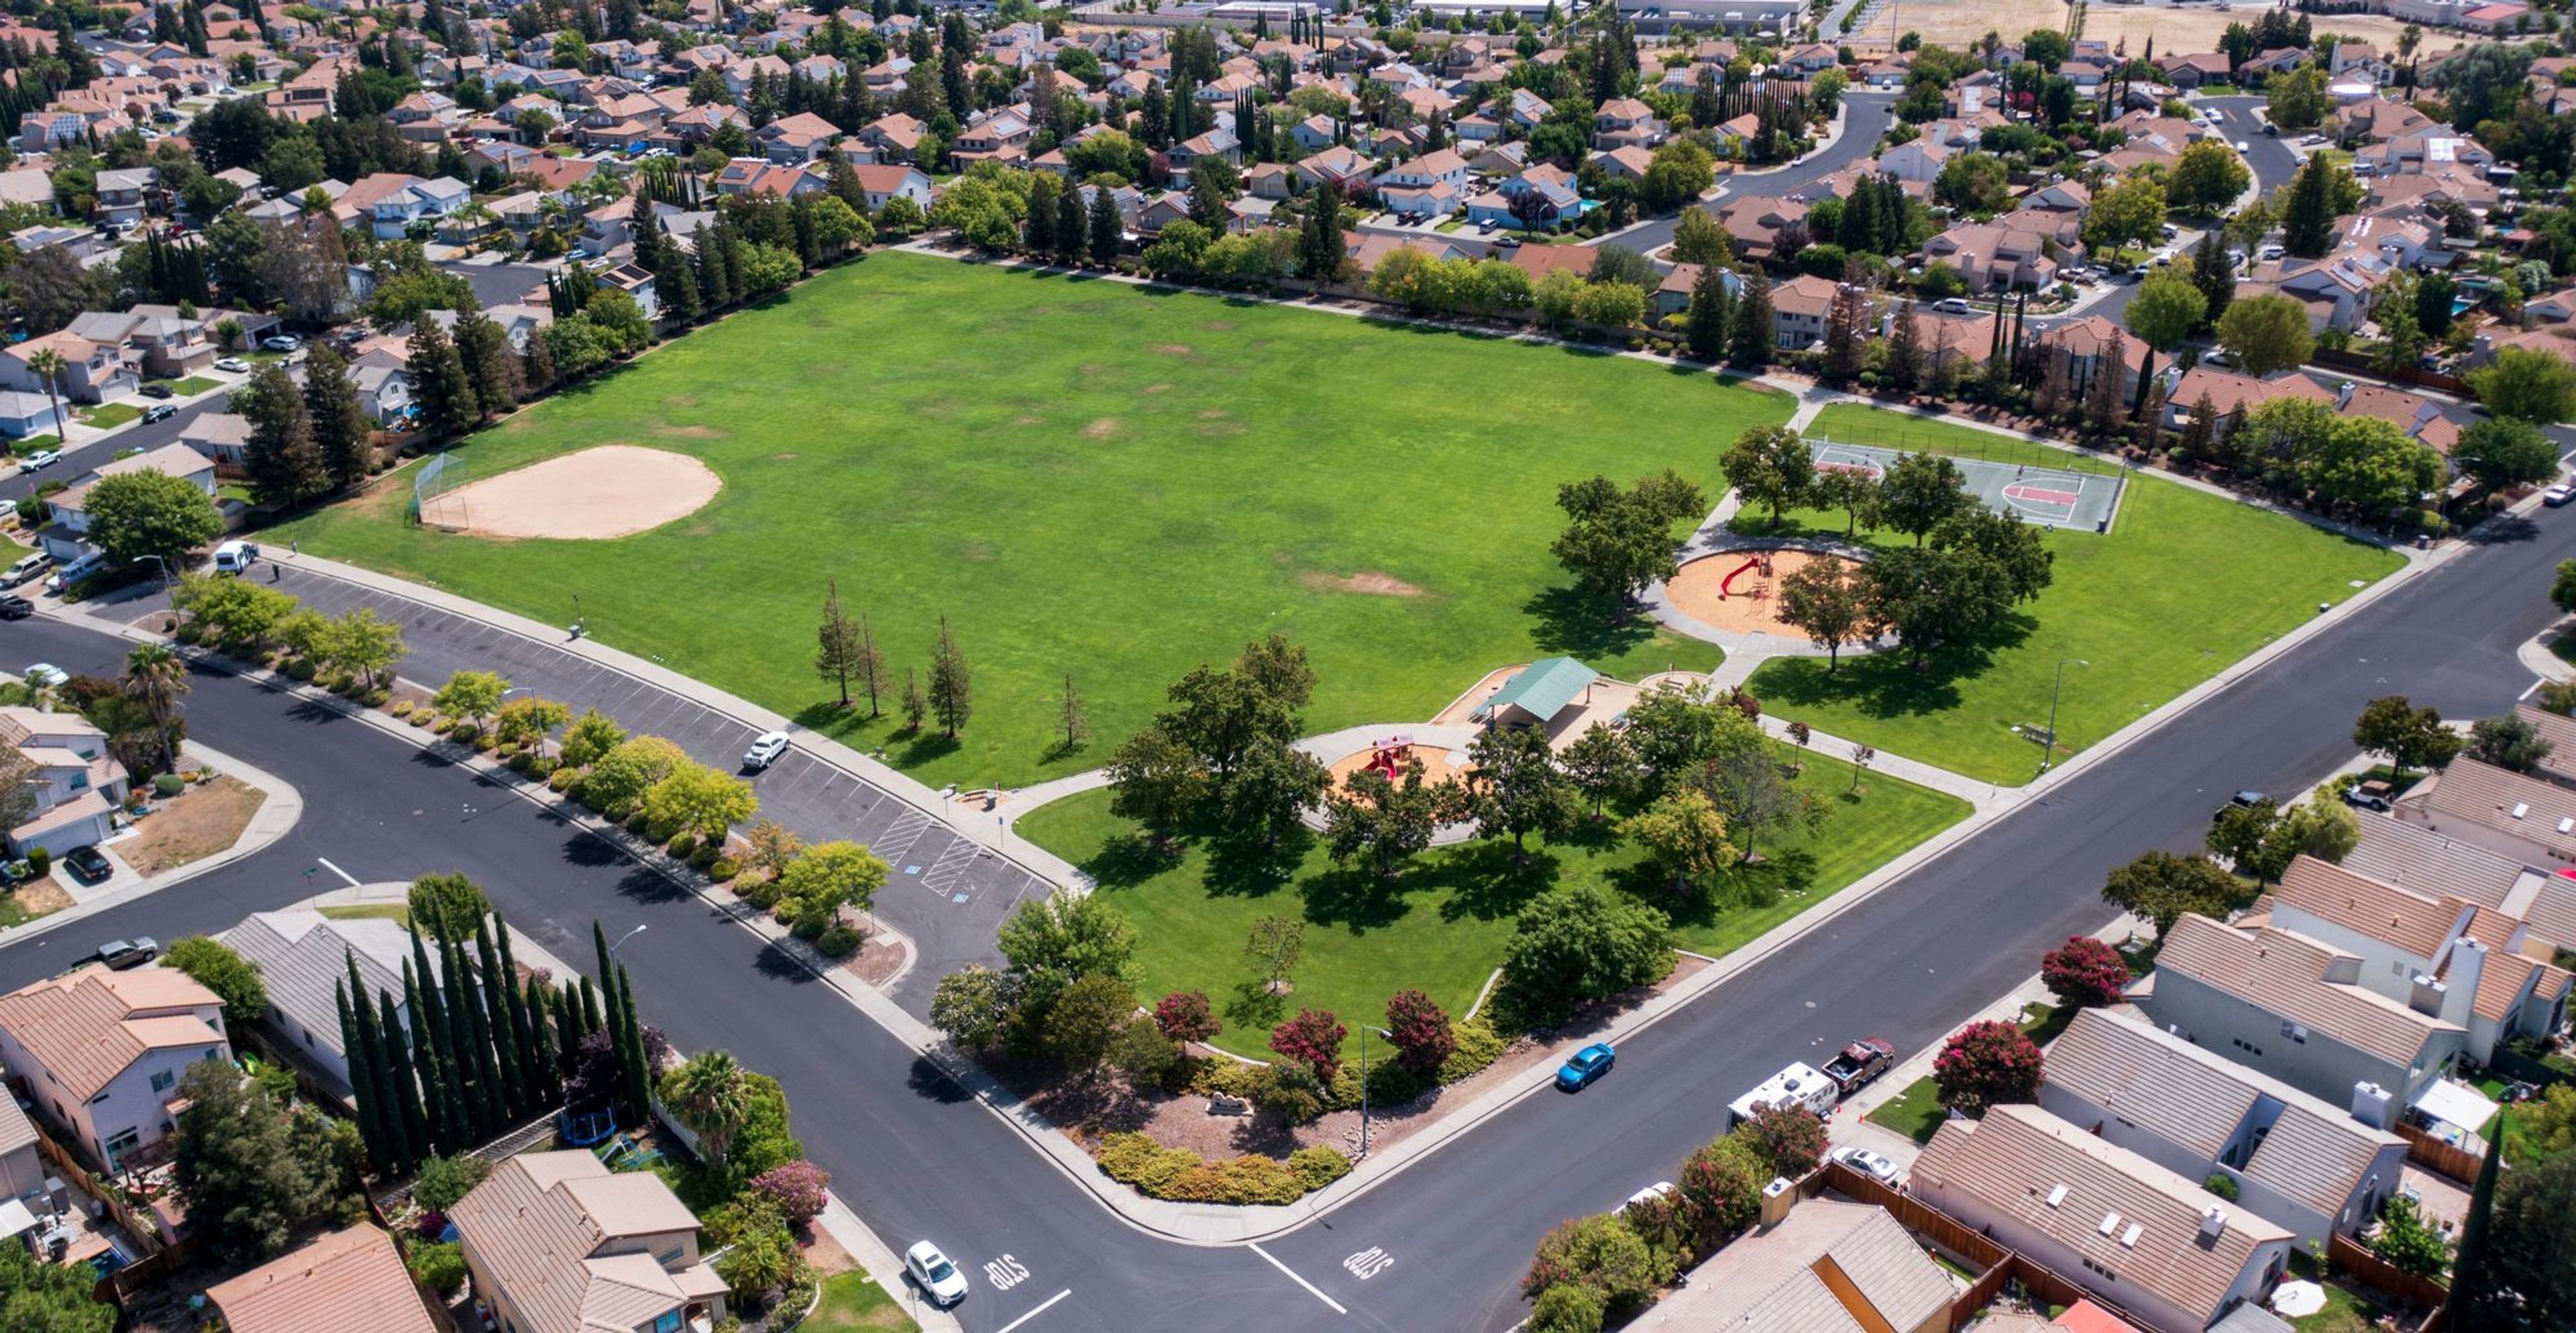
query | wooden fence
(2458,1164)
(2422,1293)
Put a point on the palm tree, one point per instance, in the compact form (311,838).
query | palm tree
(49,363)
(157,678)
(710,1096)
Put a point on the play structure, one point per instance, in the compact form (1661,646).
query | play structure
(1737,592)
(1388,757)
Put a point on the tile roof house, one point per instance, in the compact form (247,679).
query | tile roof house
(2522,818)
(1828,1267)
(1798,310)
(2393,851)
(2141,1238)
(346,1280)
(77,783)
(1993,257)
(101,1052)
(2296,1009)
(2481,967)
(557,1243)
(2297,1160)
(305,959)
(2232,395)
(22,1167)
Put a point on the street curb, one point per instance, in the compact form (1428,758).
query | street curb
(277,816)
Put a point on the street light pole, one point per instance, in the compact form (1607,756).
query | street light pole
(2048,755)
(622,939)
(1365,1029)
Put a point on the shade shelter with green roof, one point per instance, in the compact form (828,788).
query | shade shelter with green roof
(1542,690)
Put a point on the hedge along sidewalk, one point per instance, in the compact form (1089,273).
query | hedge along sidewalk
(844,1224)
(275,817)
(852,762)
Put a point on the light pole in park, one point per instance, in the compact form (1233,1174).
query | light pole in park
(2048,754)
(1365,1030)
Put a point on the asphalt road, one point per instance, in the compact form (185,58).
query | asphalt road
(1451,1233)
(16,485)
(1866,116)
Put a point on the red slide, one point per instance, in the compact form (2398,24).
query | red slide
(1726,587)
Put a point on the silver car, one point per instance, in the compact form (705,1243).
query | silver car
(1868,1163)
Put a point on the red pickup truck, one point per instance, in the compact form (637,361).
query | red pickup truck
(1858,1063)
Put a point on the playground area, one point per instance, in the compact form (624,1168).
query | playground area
(1738,591)
(2054,498)
(1389,754)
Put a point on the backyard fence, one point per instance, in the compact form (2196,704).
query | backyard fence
(2348,1255)
(1998,1265)
(2457,1163)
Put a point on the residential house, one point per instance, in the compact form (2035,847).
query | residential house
(1180,157)
(998,136)
(797,139)
(1555,200)
(77,783)
(2189,72)
(391,202)
(156,341)
(758,175)
(2480,967)
(1526,109)
(221,436)
(66,539)
(23,414)
(1994,257)
(1338,167)
(1753,224)
(2298,1161)
(124,196)
(2527,819)
(1434,183)
(384,387)
(1920,159)
(92,372)
(1314,132)
(2232,395)
(22,1166)
(1826,1267)
(344,1280)
(305,959)
(555,1242)
(2296,1009)
(2087,345)
(100,1052)
(882,181)
(1799,307)
(2156,1245)
(1625,122)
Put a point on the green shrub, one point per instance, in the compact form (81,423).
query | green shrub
(1319,1166)
(1478,1046)
(636,822)
(762,892)
(402,708)
(376,697)
(562,779)
(40,859)
(1220,1076)
(444,1180)
(542,766)
(809,926)
(660,830)
(1566,1308)
(168,785)
(423,717)
(465,733)
(838,941)
(190,633)
(706,856)
(300,670)
(723,869)
(518,761)
(682,845)
(2221,1184)
(440,1266)
(1391,1084)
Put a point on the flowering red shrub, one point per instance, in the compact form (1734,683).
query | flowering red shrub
(1420,1030)
(1314,1038)
(798,1188)
(1985,1064)
(1789,1138)
(2084,972)
(1184,1015)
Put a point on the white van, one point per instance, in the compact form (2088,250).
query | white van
(75,572)
(1799,1084)
(236,557)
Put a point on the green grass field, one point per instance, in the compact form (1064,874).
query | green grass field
(1441,927)
(853,1302)
(2184,584)
(1085,477)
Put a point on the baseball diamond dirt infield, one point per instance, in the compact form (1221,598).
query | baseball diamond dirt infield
(611,490)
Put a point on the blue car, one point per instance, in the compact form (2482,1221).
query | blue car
(1585,1065)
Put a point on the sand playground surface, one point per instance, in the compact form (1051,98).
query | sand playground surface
(611,490)
(1752,607)
(1438,764)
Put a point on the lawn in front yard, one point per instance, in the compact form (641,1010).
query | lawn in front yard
(32,443)
(853,1302)
(108,416)
(1085,478)
(1915,1113)
(367,912)
(194,385)
(1441,927)
(2184,584)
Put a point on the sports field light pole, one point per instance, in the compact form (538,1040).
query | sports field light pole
(2048,755)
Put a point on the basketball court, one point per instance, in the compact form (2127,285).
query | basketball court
(2050,497)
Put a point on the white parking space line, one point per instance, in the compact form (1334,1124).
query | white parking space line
(326,864)
(1311,1288)
(1042,1309)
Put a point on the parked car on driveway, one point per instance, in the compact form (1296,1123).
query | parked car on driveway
(281,342)
(232,365)
(2558,495)
(1586,1065)
(156,391)
(939,1278)
(16,608)
(1866,1162)
(122,954)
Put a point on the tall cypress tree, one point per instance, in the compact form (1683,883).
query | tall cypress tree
(522,1024)
(543,1082)
(396,1067)
(474,1040)
(590,1020)
(498,987)
(639,1067)
(378,1083)
(438,1085)
(2473,1284)
(371,1130)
